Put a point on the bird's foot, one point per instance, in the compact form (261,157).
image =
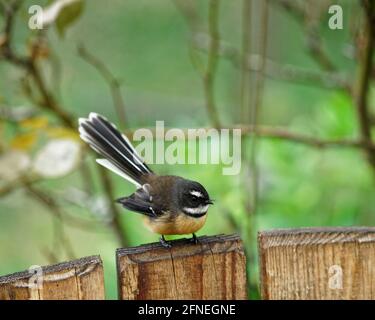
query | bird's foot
(165,243)
(194,239)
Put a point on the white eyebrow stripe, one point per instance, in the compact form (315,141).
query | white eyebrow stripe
(196,193)
(198,210)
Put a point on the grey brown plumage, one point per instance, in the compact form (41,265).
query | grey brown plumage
(171,204)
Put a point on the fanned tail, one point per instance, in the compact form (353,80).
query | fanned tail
(120,156)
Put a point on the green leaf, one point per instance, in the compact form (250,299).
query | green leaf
(68,15)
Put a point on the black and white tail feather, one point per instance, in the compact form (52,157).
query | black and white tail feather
(120,156)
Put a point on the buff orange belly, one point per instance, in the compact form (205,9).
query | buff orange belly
(182,224)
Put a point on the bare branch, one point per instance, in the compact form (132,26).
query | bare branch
(316,50)
(59,233)
(113,83)
(116,222)
(209,76)
(8,188)
(29,65)
(280,133)
(292,6)
(259,90)
(49,103)
(245,94)
(314,41)
(284,134)
(274,70)
(10,9)
(189,12)
(363,85)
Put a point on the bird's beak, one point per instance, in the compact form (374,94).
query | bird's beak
(209,202)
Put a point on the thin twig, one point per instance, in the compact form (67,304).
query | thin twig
(59,234)
(259,90)
(245,93)
(56,72)
(317,52)
(277,133)
(189,11)
(212,61)
(314,41)
(86,177)
(292,6)
(115,222)
(232,222)
(363,87)
(29,65)
(49,102)
(312,141)
(10,9)
(113,83)
(8,188)
(245,116)
(275,70)
(252,205)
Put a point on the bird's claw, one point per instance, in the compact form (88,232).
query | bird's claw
(165,243)
(194,239)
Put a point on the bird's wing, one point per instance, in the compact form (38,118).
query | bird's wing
(141,202)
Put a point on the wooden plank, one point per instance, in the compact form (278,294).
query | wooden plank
(318,263)
(213,269)
(80,279)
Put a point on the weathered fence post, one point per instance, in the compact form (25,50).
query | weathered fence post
(213,269)
(80,279)
(318,263)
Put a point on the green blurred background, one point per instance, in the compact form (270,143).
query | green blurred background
(145,44)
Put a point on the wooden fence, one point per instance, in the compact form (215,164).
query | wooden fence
(307,263)
(80,279)
(215,269)
(317,263)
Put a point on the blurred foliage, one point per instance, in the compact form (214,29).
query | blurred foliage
(146,44)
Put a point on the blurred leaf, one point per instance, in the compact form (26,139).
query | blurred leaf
(24,141)
(68,15)
(62,133)
(62,13)
(35,123)
(13,164)
(57,158)
(16,114)
(100,207)
(335,117)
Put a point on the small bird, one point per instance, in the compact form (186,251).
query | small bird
(171,205)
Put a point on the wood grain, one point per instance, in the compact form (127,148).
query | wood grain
(318,263)
(80,279)
(213,269)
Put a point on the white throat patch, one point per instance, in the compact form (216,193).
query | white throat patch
(198,210)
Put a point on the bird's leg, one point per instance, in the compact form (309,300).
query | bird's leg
(194,239)
(164,242)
